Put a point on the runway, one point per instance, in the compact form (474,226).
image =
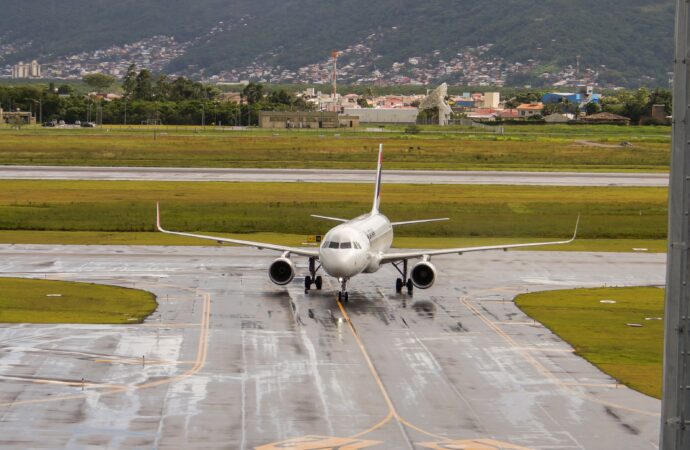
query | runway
(335,176)
(229,360)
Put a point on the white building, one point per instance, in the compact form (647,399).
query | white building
(384,115)
(31,70)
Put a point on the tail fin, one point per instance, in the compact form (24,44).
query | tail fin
(377,190)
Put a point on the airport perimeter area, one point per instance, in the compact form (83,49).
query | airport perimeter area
(229,360)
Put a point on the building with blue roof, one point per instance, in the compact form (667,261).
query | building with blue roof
(583,96)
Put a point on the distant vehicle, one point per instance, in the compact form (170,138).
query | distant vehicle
(77,122)
(88,125)
(360,245)
(49,124)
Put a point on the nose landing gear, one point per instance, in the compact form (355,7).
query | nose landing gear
(312,278)
(342,295)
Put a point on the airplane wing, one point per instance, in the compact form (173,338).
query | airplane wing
(311,253)
(334,219)
(412,222)
(392,257)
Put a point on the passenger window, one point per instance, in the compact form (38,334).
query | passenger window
(346,245)
(332,244)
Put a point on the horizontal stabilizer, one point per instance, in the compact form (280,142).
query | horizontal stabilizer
(334,219)
(411,222)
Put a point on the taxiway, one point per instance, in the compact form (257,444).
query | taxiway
(229,360)
(335,176)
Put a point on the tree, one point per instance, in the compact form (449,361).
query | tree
(592,108)
(660,97)
(65,89)
(129,82)
(253,93)
(162,87)
(143,89)
(98,81)
(281,97)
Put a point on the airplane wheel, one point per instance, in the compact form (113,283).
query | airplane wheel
(318,282)
(346,297)
(398,285)
(340,296)
(307,282)
(409,286)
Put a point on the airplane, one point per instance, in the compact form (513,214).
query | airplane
(356,246)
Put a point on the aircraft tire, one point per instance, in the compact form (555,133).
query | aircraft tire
(399,285)
(318,282)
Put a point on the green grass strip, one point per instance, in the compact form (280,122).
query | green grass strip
(46,301)
(521,212)
(599,331)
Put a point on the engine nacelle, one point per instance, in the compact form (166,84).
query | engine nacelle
(281,271)
(423,275)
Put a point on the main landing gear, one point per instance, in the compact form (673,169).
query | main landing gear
(312,278)
(403,282)
(342,295)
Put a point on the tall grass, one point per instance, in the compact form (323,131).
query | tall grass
(521,150)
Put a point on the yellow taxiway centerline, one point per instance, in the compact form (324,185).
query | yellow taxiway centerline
(392,412)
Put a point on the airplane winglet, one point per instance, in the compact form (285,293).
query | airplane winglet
(158,217)
(577,224)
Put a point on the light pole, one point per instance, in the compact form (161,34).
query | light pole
(125,121)
(40,109)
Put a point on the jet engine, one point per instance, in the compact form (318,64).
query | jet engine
(281,271)
(423,275)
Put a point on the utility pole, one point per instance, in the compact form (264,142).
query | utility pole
(675,405)
(334,54)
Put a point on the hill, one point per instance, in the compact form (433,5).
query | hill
(625,42)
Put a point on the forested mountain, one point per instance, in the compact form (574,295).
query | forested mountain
(632,39)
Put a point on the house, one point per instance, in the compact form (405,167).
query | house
(607,118)
(489,114)
(508,114)
(527,110)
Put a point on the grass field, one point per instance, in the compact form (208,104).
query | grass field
(598,331)
(559,148)
(475,211)
(44,301)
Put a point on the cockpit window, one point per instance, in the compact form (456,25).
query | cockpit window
(333,244)
(346,245)
(357,246)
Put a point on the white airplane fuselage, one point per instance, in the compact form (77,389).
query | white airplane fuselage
(356,246)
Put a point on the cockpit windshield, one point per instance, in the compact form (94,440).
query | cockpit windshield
(342,245)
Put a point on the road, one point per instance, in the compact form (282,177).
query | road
(229,360)
(335,176)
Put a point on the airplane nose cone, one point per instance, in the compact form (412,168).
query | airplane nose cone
(342,264)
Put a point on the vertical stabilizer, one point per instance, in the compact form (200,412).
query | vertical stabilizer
(377,191)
